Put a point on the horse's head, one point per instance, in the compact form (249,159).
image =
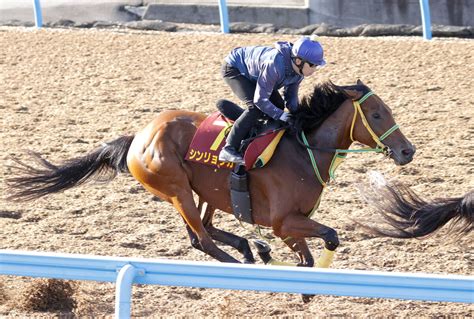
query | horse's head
(373,125)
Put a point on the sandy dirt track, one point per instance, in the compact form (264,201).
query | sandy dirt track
(63,92)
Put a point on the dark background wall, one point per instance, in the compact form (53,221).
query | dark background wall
(348,13)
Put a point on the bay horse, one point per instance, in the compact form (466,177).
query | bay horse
(283,192)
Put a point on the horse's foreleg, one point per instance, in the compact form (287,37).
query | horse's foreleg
(300,226)
(296,228)
(306,259)
(185,205)
(239,243)
(300,247)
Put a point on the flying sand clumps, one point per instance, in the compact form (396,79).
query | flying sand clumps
(48,295)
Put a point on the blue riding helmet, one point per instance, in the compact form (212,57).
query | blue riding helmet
(308,51)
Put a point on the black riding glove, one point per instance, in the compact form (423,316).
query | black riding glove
(287,119)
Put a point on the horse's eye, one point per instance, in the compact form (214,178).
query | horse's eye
(376,116)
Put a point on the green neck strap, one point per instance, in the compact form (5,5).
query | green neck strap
(313,161)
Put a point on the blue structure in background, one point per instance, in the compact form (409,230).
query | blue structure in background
(426,19)
(38,14)
(224,16)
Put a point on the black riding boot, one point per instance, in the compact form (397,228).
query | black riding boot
(231,151)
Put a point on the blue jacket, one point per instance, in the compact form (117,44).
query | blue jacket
(271,69)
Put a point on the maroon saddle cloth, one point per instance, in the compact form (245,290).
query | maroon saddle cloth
(210,138)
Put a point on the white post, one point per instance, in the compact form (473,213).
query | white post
(425,19)
(224,16)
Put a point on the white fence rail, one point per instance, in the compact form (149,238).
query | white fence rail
(127,271)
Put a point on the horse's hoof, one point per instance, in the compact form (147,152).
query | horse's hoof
(262,246)
(307,298)
(248,258)
(263,250)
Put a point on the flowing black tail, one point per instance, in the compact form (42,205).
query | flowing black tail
(102,164)
(412,217)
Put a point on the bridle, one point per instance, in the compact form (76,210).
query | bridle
(381,148)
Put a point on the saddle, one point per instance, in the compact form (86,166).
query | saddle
(209,138)
(258,149)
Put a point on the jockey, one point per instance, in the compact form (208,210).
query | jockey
(256,73)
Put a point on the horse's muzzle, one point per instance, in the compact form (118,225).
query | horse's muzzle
(404,155)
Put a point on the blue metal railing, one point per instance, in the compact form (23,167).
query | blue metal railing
(38,13)
(426,19)
(224,17)
(126,271)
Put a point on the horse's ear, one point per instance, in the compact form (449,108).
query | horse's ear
(352,94)
(359,82)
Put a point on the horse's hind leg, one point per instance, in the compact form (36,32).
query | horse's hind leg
(194,239)
(239,243)
(185,205)
(156,159)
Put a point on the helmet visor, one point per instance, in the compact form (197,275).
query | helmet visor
(320,64)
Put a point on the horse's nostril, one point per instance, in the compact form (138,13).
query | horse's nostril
(408,152)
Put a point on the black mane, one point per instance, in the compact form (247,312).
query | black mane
(316,107)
